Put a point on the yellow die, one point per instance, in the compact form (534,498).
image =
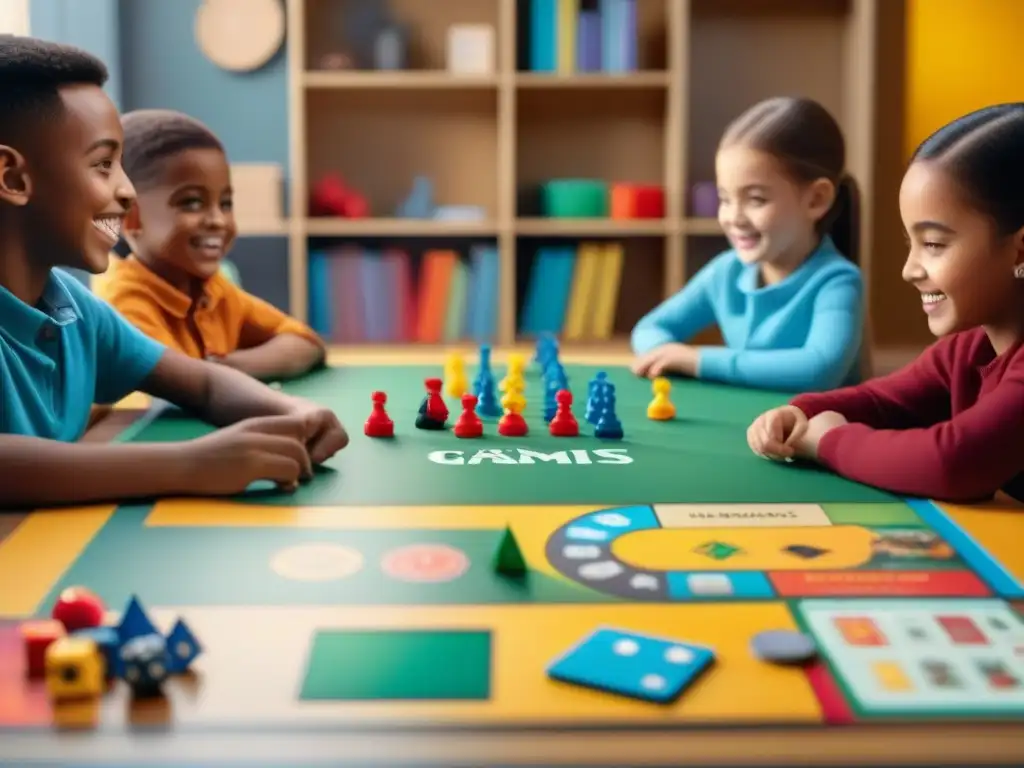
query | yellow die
(75,668)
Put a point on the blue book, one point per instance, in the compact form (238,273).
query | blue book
(319,293)
(543,35)
(488,296)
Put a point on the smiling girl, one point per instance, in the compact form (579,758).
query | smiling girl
(951,424)
(787,296)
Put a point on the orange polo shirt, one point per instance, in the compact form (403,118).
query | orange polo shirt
(225,319)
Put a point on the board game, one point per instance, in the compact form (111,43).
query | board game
(656,568)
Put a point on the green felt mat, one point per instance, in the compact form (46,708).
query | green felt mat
(701,457)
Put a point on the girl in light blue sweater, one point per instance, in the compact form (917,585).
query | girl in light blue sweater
(787,297)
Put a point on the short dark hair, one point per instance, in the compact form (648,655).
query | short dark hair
(153,135)
(31,73)
(984,152)
(804,137)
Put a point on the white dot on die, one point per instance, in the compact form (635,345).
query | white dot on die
(626,647)
(653,682)
(678,655)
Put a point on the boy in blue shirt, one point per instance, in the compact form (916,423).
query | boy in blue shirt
(788,295)
(63,198)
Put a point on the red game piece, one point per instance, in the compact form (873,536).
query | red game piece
(379,424)
(564,423)
(37,636)
(436,409)
(469,424)
(78,608)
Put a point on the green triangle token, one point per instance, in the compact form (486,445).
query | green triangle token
(509,558)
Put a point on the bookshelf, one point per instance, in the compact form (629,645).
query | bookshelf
(487,140)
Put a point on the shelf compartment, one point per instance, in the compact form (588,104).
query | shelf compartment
(636,285)
(396,80)
(380,141)
(584,134)
(340,27)
(742,52)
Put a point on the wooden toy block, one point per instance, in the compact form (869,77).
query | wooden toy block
(75,669)
(37,637)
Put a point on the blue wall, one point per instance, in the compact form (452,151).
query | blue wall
(150,48)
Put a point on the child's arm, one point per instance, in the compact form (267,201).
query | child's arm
(680,317)
(831,348)
(274,345)
(916,395)
(966,458)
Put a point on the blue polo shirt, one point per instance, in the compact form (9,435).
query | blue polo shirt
(60,357)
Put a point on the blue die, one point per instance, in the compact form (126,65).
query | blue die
(631,664)
(145,664)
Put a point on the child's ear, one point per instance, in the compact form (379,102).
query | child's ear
(821,193)
(15,181)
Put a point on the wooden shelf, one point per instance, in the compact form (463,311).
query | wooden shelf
(490,140)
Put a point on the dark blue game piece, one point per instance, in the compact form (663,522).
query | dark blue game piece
(595,396)
(783,646)
(487,404)
(182,648)
(145,664)
(134,622)
(608,426)
(550,403)
(108,642)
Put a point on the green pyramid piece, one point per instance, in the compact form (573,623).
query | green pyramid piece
(509,558)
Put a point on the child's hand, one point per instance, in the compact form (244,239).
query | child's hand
(773,433)
(324,434)
(267,448)
(806,445)
(668,358)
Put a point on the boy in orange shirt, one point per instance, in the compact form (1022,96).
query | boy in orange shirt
(171,286)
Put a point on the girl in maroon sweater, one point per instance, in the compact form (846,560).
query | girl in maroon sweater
(951,424)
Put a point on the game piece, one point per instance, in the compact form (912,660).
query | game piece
(631,664)
(513,394)
(595,397)
(661,408)
(508,559)
(379,424)
(564,423)
(182,648)
(550,404)
(74,669)
(468,424)
(78,608)
(37,636)
(512,424)
(433,413)
(487,402)
(145,664)
(782,646)
(456,383)
(515,374)
(134,622)
(107,644)
(484,373)
(608,426)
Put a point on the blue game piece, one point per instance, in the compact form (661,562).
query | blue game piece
(182,648)
(145,664)
(108,642)
(631,664)
(608,426)
(134,622)
(783,646)
(595,396)
(550,404)
(487,404)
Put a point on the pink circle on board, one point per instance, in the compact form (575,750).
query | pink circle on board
(431,563)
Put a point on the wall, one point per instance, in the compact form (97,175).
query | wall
(149,47)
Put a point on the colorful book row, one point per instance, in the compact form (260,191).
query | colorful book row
(358,294)
(565,37)
(573,291)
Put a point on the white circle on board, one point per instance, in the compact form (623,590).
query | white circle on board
(316,562)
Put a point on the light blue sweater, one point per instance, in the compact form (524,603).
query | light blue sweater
(802,334)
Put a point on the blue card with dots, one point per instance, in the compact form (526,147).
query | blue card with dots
(627,663)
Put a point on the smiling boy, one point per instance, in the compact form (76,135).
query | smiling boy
(63,198)
(171,286)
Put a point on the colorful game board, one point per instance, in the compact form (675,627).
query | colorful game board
(369,600)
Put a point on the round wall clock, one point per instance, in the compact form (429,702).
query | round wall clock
(240,35)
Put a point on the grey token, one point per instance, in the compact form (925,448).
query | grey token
(783,646)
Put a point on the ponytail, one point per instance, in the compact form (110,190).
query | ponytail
(842,222)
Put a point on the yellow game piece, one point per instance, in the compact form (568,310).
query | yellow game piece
(516,372)
(661,408)
(456,382)
(513,399)
(75,668)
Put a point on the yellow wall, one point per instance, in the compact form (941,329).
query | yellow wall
(961,55)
